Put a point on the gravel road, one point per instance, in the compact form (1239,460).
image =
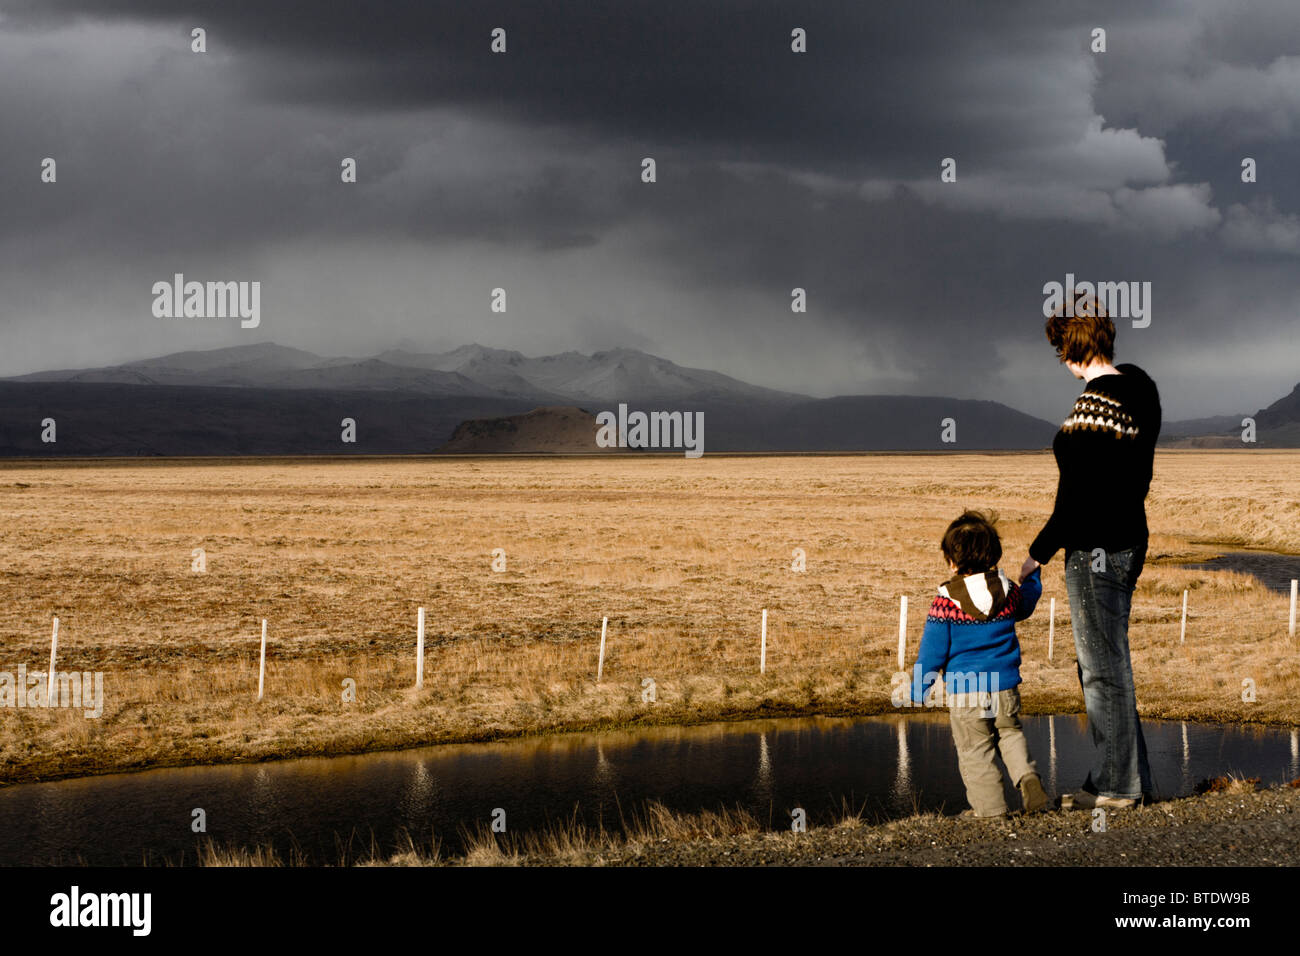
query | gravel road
(1216,829)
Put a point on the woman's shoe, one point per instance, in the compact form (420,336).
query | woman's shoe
(1083,800)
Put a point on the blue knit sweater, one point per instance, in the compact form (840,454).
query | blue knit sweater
(971,630)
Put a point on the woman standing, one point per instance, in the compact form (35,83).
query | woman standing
(1104,451)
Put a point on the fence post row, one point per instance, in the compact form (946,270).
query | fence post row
(762,654)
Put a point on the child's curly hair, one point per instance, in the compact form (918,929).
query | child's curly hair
(972,543)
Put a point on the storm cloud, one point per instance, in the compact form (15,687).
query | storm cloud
(775,169)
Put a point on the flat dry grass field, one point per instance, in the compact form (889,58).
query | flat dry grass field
(681,555)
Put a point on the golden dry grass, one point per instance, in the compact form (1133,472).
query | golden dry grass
(566,842)
(681,555)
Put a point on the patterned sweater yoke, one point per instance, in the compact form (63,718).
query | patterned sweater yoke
(1098,412)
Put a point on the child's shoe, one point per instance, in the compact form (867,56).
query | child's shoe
(1032,793)
(971,814)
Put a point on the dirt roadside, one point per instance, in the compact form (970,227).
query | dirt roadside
(1214,829)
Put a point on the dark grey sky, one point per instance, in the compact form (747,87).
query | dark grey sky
(775,170)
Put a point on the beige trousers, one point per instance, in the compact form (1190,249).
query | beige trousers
(981,733)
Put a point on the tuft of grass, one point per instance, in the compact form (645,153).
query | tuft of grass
(571,841)
(1229,783)
(483,848)
(217,856)
(658,823)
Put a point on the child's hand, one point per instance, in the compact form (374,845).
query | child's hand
(1028,568)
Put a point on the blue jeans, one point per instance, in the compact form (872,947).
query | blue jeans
(1099,610)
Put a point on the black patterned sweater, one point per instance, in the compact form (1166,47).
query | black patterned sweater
(1104,451)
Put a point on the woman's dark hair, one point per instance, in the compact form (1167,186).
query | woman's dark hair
(1085,334)
(972,543)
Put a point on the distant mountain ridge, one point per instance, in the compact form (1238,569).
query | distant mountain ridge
(1276,426)
(569,377)
(268,399)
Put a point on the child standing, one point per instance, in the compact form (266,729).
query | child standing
(970,635)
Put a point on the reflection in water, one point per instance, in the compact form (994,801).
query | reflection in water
(603,783)
(902,792)
(419,794)
(604,769)
(1187,758)
(1051,753)
(763,782)
(262,796)
(883,766)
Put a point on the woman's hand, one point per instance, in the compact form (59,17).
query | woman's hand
(1028,568)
